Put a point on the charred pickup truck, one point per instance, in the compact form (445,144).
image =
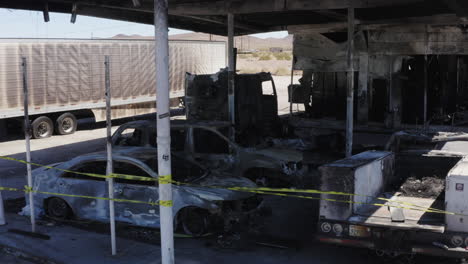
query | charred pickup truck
(206,143)
(424,210)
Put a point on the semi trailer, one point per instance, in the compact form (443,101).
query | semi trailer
(66,78)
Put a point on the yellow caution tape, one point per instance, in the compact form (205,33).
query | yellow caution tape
(112,175)
(28,189)
(165,179)
(286,192)
(167,203)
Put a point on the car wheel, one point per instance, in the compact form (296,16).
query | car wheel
(66,124)
(58,208)
(42,127)
(195,221)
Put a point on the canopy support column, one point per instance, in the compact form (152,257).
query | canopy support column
(350,92)
(163,130)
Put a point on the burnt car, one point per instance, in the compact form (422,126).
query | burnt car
(196,207)
(206,143)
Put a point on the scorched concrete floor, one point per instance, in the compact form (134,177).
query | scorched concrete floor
(292,221)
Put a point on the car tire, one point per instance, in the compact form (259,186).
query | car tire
(42,127)
(58,208)
(66,124)
(195,221)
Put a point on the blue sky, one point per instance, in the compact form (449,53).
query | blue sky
(30,24)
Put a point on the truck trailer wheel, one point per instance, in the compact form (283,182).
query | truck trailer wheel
(66,124)
(42,127)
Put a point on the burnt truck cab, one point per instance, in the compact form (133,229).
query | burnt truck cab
(255,99)
(397,203)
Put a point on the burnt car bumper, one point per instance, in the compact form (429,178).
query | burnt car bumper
(392,242)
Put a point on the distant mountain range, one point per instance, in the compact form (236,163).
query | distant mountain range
(243,43)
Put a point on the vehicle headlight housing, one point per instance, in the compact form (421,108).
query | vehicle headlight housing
(325,227)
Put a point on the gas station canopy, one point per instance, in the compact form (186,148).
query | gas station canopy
(257,16)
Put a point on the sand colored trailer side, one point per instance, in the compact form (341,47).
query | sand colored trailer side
(67,75)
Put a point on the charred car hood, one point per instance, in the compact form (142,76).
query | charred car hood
(211,188)
(286,155)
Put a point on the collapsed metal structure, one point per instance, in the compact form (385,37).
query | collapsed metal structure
(255,16)
(390,45)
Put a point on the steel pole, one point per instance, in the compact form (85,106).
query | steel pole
(27,135)
(163,130)
(425,91)
(231,77)
(350,92)
(2,211)
(110,167)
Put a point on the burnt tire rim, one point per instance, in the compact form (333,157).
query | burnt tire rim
(43,129)
(58,208)
(195,223)
(67,125)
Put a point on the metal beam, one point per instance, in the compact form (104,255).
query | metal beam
(231,76)
(2,211)
(223,7)
(442,19)
(126,11)
(265,6)
(163,130)
(136,3)
(27,135)
(363,105)
(332,14)
(350,91)
(45,12)
(224,22)
(425,91)
(458,7)
(74,13)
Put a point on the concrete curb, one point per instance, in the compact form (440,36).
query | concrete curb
(18,253)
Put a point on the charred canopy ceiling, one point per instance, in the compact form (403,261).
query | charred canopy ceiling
(251,16)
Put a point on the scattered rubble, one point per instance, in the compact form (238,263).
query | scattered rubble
(427,187)
(14,205)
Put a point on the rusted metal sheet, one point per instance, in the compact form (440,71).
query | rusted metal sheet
(314,51)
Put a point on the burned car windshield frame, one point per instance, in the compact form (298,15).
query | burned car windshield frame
(146,128)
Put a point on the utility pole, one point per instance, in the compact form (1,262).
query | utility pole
(163,130)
